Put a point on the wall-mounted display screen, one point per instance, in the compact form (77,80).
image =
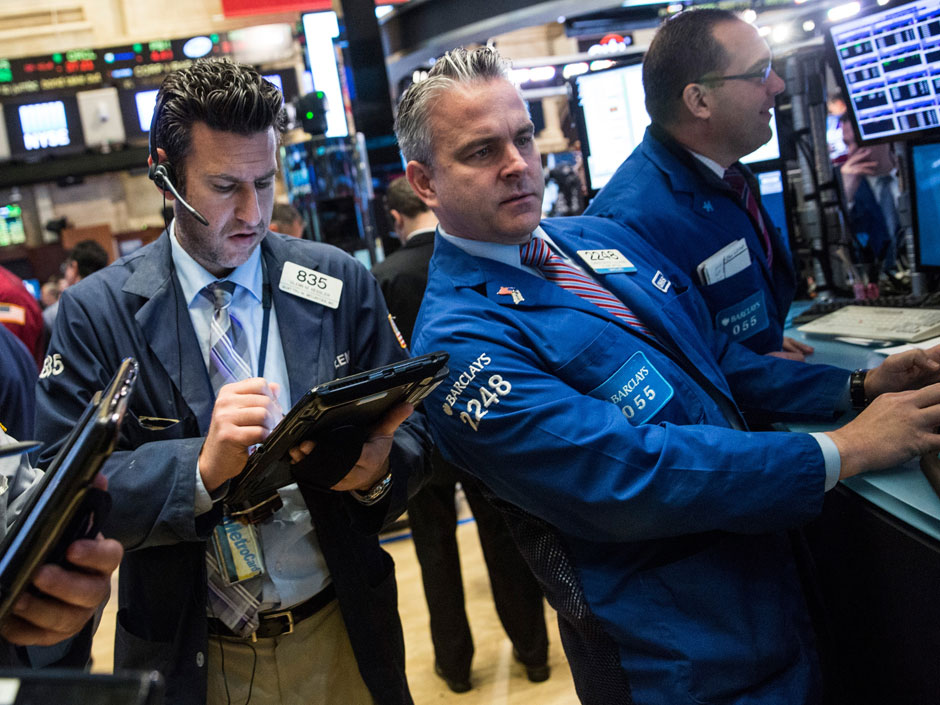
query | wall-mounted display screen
(11,225)
(144,103)
(888,63)
(44,127)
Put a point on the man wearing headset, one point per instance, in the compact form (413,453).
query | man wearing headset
(316,621)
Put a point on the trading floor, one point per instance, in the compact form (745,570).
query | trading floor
(497,678)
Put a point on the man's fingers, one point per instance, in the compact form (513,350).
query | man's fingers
(392,420)
(98,555)
(301,451)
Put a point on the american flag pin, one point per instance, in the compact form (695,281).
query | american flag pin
(511,291)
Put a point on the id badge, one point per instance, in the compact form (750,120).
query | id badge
(637,389)
(237,550)
(606,261)
(743,319)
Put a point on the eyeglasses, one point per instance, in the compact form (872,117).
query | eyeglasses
(762,75)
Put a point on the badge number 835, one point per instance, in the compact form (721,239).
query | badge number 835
(477,408)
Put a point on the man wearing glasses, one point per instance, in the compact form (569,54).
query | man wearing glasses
(710,87)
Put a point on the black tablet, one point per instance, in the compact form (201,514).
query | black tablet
(47,686)
(51,519)
(342,409)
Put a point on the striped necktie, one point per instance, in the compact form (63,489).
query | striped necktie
(737,181)
(228,344)
(236,605)
(536,253)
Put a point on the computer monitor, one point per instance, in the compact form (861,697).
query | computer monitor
(887,61)
(44,127)
(610,111)
(775,197)
(925,204)
(11,225)
(137,111)
(770,150)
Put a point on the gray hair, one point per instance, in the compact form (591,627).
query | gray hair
(458,66)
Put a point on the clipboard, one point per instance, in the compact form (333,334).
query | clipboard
(64,506)
(338,414)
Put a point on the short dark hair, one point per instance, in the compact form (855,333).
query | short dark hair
(220,93)
(402,198)
(285,215)
(683,51)
(89,256)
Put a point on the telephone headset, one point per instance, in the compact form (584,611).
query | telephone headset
(162,173)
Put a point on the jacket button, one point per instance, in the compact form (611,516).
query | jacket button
(200,659)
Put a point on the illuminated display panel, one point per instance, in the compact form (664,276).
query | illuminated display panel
(144,103)
(888,63)
(11,225)
(42,127)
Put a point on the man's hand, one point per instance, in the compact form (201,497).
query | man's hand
(244,414)
(854,169)
(373,461)
(70,595)
(893,429)
(907,370)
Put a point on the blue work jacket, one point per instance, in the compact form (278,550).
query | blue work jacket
(670,518)
(688,214)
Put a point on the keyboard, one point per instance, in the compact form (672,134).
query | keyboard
(906,325)
(821,308)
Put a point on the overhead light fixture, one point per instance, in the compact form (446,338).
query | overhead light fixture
(781,33)
(575,69)
(809,26)
(749,16)
(843,12)
(764,30)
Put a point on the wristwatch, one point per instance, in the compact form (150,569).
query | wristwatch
(857,390)
(374,493)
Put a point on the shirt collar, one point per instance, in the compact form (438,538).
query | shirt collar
(507,254)
(193,277)
(711,164)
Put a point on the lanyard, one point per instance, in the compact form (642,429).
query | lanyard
(266,305)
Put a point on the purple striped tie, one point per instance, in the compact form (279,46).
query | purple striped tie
(235,605)
(735,179)
(536,253)
(228,344)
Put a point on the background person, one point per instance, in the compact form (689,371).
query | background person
(710,87)
(86,258)
(432,512)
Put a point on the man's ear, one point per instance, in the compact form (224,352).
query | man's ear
(397,218)
(697,100)
(419,176)
(161,157)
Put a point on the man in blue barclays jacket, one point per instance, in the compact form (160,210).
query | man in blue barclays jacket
(612,437)
(320,623)
(709,88)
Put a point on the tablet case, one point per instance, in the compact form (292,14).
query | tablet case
(64,506)
(339,416)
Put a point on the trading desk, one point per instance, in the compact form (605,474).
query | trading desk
(876,548)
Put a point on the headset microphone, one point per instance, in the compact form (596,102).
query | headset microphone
(161,178)
(161,173)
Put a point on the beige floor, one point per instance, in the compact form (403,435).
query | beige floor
(497,679)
